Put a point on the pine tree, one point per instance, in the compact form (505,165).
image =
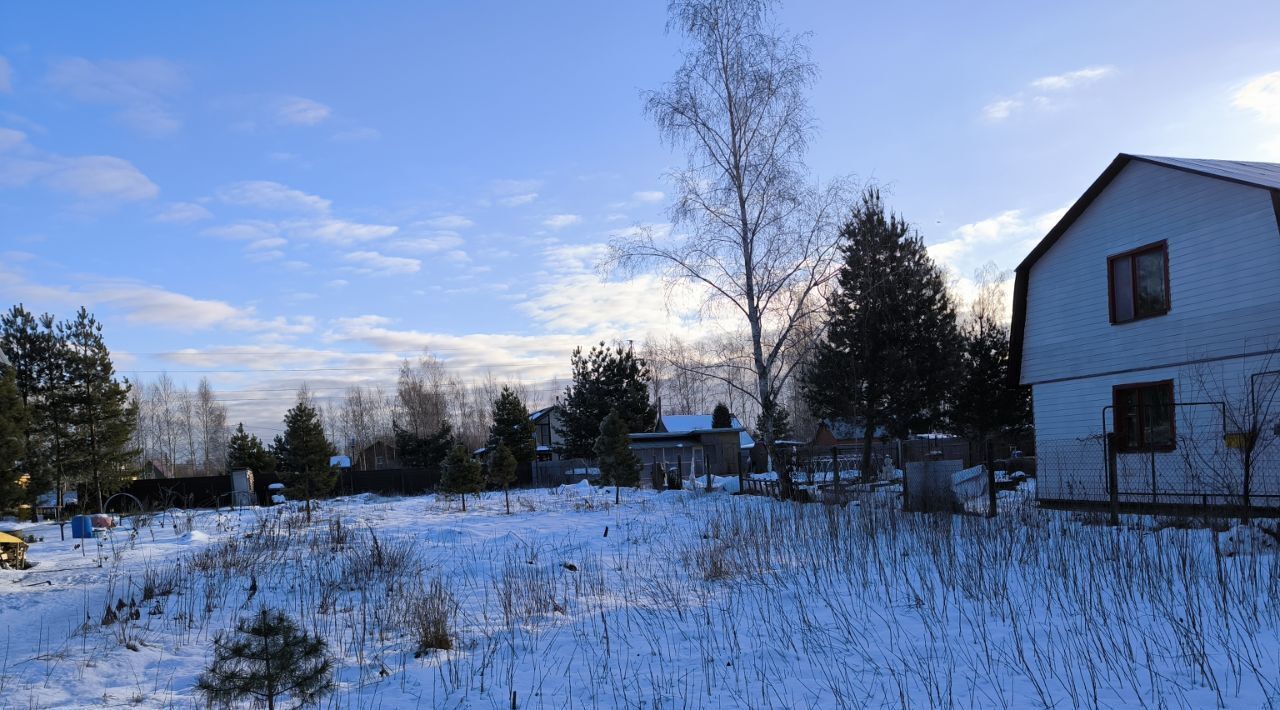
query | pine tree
(512,426)
(462,474)
(890,352)
(604,380)
(502,470)
(246,450)
(268,658)
(303,454)
(618,463)
(13,428)
(721,417)
(983,404)
(100,411)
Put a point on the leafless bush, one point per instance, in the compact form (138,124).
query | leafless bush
(431,619)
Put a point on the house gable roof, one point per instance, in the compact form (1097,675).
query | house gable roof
(689,423)
(1253,174)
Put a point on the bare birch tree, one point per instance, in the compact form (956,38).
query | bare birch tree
(754,235)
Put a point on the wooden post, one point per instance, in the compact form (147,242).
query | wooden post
(835,472)
(991,482)
(1113,479)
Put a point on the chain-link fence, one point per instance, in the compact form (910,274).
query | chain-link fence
(1200,466)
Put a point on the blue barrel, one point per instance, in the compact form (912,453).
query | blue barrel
(81,526)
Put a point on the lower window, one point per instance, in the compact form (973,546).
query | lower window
(1144,416)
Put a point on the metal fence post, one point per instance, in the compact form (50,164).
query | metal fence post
(1113,478)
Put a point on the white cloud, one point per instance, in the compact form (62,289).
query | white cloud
(101,177)
(427,245)
(299,111)
(373,262)
(6,76)
(268,243)
(1003,108)
(1005,239)
(141,88)
(268,195)
(1072,79)
(339,231)
(145,304)
(523,198)
(249,229)
(648,196)
(182,212)
(449,221)
(560,221)
(1000,110)
(1261,96)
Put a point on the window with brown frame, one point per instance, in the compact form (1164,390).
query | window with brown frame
(1139,283)
(1144,416)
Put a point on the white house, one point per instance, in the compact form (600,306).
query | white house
(1150,314)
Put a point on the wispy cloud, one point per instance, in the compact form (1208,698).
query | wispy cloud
(1072,79)
(523,198)
(299,111)
(428,244)
(648,196)
(141,89)
(268,195)
(375,263)
(147,304)
(449,221)
(1261,97)
(6,76)
(560,221)
(1038,97)
(182,212)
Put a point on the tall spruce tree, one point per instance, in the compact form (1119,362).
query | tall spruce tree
(39,358)
(891,348)
(425,452)
(462,474)
(267,658)
(100,411)
(512,426)
(604,380)
(246,450)
(13,439)
(303,454)
(618,463)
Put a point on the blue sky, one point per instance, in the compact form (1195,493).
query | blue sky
(315,186)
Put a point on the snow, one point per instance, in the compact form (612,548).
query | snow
(670,599)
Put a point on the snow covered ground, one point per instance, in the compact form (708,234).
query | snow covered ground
(689,600)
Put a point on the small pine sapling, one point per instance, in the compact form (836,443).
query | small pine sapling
(618,464)
(462,474)
(268,657)
(502,470)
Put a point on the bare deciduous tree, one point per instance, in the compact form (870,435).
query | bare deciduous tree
(758,239)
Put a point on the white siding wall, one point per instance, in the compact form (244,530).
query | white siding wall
(1224,264)
(1224,274)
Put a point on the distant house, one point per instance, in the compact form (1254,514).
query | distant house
(842,432)
(689,441)
(1147,312)
(546,422)
(379,455)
